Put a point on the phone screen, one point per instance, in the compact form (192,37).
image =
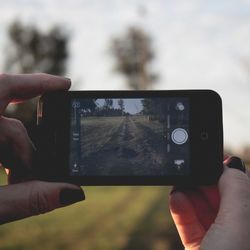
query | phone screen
(129,136)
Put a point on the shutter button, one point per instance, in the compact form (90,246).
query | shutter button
(179,136)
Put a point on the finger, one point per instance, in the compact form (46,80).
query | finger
(236,163)
(16,149)
(203,209)
(14,135)
(19,87)
(212,196)
(225,156)
(188,225)
(248,172)
(234,188)
(35,197)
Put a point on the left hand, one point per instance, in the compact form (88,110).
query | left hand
(25,197)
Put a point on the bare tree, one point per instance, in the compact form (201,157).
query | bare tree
(133,52)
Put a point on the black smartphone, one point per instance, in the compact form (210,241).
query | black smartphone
(130,137)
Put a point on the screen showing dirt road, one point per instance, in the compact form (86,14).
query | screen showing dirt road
(129,137)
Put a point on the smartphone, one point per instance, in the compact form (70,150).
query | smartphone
(130,137)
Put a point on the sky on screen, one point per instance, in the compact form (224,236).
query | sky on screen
(132,106)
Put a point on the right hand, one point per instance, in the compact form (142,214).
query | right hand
(25,197)
(215,217)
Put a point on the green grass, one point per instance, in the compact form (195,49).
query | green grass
(121,218)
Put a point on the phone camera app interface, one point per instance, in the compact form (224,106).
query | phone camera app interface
(129,137)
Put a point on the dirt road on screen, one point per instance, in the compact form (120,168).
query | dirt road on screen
(130,145)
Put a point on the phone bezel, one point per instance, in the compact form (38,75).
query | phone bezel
(206,155)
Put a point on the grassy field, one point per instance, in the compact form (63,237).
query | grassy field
(123,218)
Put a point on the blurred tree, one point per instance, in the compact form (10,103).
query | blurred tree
(31,50)
(133,53)
(34,51)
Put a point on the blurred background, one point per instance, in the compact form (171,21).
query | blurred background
(132,44)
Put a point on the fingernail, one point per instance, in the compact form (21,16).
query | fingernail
(174,189)
(70,196)
(236,163)
(68,79)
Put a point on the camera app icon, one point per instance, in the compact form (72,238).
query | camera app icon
(179,136)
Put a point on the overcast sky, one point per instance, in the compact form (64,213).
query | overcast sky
(131,106)
(198,44)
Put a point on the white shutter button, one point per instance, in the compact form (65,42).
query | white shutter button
(179,136)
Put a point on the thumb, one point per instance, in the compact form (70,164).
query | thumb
(232,219)
(234,188)
(26,199)
(232,227)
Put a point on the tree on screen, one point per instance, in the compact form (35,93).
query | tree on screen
(120,103)
(133,53)
(148,105)
(153,108)
(108,104)
(88,105)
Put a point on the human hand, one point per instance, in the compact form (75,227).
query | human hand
(215,217)
(27,197)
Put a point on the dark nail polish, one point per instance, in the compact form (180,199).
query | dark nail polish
(68,79)
(70,196)
(173,190)
(236,163)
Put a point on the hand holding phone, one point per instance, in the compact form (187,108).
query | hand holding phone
(215,217)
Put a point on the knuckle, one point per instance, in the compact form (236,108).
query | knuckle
(44,76)
(12,130)
(38,201)
(17,126)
